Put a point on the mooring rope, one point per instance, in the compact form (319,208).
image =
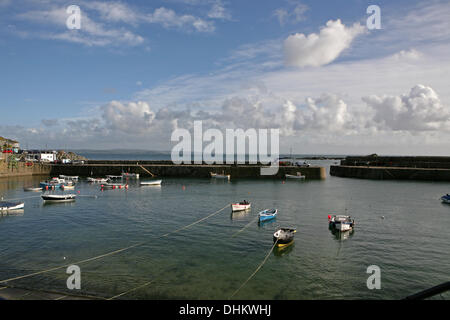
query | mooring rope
(245,227)
(109,253)
(131,290)
(257,269)
(19,198)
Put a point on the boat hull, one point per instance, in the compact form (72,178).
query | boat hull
(284,237)
(9,206)
(267,215)
(290,176)
(151,183)
(240,207)
(59,198)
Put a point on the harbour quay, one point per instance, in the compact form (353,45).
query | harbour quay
(165,168)
(426,168)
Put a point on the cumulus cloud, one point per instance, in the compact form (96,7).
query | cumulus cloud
(320,49)
(218,11)
(419,110)
(131,118)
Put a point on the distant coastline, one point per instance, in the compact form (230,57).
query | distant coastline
(136,154)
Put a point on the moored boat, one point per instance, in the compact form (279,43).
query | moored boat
(284,237)
(32,189)
(114,186)
(241,206)
(69,178)
(68,187)
(298,176)
(8,206)
(220,176)
(341,222)
(58,197)
(267,214)
(97,180)
(151,183)
(446,198)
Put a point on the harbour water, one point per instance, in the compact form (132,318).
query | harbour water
(402,227)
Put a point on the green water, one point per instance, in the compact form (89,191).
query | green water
(411,244)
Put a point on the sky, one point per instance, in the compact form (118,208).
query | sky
(135,71)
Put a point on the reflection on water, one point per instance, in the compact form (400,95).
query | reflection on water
(342,235)
(12,213)
(282,251)
(240,215)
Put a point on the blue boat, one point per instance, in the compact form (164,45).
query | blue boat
(446,198)
(267,214)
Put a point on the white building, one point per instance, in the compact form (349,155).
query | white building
(41,155)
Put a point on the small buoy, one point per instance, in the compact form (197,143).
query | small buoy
(183,187)
(64,258)
(382,217)
(283,182)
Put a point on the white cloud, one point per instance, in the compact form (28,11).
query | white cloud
(419,110)
(218,11)
(293,13)
(132,117)
(320,49)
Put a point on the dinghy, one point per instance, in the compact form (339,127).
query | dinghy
(220,176)
(58,197)
(446,199)
(114,186)
(97,180)
(241,206)
(341,222)
(151,183)
(8,206)
(130,175)
(69,178)
(267,214)
(68,187)
(284,237)
(32,189)
(298,176)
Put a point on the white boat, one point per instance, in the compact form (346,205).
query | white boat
(68,187)
(151,183)
(32,189)
(111,177)
(7,206)
(298,176)
(58,197)
(341,222)
(69,178)
(220,176)
(97,180)
(241,206)
(114,186)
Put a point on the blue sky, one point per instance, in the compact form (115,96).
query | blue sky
(137,70)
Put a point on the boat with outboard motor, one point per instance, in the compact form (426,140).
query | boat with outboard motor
(341,222)
(284,237)
(446,199)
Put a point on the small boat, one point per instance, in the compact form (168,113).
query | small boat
(58,197)
(220,176)
(267,214)
(298,176)
(69,178)
(241,206)
(68,187)
(48,185)
(341,222)
(114,186)
(284,237)
(111,177)
(32,189)
(97,180)
(7,206)
(151,183)
(446,199)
